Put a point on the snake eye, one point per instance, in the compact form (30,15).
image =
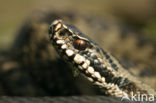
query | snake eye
(80,44)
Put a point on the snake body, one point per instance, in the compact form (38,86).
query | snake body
(32,67)
(94,63)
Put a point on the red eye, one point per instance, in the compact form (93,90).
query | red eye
(80,44)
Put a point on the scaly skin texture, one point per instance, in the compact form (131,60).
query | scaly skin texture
(94,63)
(32,67)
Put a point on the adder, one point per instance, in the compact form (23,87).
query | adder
(94,63)
(40,72)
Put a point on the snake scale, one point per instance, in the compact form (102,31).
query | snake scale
(34,61)
(97,65)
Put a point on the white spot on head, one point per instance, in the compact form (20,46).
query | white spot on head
(80,67)
(92,54)
(58,26)
(97,75)
(88,62)
(85,65)
(55,36)
(64,46)
(100,60)
(109,68)
(90,70)
(65,26)
(60,42)
(96,61)
(79,59)
(90,79)
(86,72)
(103,79)
(104,66)
(70,30)
(55,22)
(69,52)
(112,85)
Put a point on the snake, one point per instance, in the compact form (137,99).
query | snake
(94,63)
(32,67)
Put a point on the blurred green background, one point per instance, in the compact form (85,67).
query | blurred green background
(139,13)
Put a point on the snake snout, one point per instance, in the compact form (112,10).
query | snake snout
(54,27)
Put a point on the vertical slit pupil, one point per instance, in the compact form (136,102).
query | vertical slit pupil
(80,44)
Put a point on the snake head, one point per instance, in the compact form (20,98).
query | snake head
(77,48)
